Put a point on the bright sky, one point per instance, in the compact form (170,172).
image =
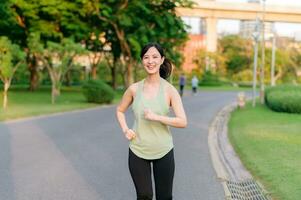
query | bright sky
(283,29)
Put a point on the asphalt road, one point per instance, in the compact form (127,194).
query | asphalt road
(83,155)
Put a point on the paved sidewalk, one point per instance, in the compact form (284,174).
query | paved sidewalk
(83,155)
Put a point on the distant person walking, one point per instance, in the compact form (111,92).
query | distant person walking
(194,84)
(182,82)
(151,144)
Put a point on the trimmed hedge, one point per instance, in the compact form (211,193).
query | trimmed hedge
(210,79)
(285,98)
(97,91)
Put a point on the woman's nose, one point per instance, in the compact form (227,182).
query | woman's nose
(150,60)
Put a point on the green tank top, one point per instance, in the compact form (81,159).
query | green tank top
(153,139)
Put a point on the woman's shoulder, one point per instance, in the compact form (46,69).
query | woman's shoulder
(169,87)
(134,87)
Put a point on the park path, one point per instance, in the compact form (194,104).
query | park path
(82,155)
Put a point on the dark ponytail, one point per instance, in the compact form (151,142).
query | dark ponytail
(165,69)
(166,66)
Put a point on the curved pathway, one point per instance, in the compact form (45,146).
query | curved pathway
(83,155)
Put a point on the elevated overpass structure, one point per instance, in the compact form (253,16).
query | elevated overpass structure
(211,11)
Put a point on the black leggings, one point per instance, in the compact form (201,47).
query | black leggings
(163,170)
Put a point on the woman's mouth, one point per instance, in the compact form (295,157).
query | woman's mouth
(150,67)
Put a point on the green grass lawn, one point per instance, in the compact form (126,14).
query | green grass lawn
(269,145)
(216,88)
(23,103)
(224,88)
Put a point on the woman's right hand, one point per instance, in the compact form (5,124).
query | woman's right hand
(130,134)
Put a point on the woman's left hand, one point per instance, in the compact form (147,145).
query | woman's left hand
(148,114)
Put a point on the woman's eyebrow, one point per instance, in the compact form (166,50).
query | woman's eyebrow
(155,54)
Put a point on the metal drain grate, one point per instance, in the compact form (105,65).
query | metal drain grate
(246,190)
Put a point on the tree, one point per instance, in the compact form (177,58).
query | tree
(95,44)
(286,63)
(52,20)
(204,58)
(8,22)
(131,25)
(111,63)
(238,53)
(11,58)
(296,58)
(58,59)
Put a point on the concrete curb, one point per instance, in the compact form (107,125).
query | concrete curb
(225,161)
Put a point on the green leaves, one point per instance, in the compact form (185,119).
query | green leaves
(5,57)
(237,52)
(42,25)
(62,54)
(136,46)
(10,55)
(34,44)
(125,20)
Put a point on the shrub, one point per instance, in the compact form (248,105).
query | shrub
(245,84)
(97,91)
(285,98)
(210,79)
(243,76)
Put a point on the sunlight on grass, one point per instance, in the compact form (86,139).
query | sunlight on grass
(269,144)
(23,103)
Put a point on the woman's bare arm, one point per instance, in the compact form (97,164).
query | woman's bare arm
(125,102)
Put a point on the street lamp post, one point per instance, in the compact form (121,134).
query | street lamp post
(262,56)
(273,59)
(255,35)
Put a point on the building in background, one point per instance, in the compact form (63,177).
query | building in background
(203,18)
(247,27)
(197,30)
(297,36)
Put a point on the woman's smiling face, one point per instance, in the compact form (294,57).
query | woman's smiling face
(152,60)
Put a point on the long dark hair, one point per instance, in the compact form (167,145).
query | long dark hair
(166,66)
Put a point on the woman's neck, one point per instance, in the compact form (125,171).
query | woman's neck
(153,79)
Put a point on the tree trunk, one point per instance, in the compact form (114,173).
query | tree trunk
(34,78)
(55,92)
(68,78)
(5,90)
(129,74)
(55,81)
(127,55)
(124,46)
(94,72)
(113,75)
(33,70)
(278,76)
(123,70)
